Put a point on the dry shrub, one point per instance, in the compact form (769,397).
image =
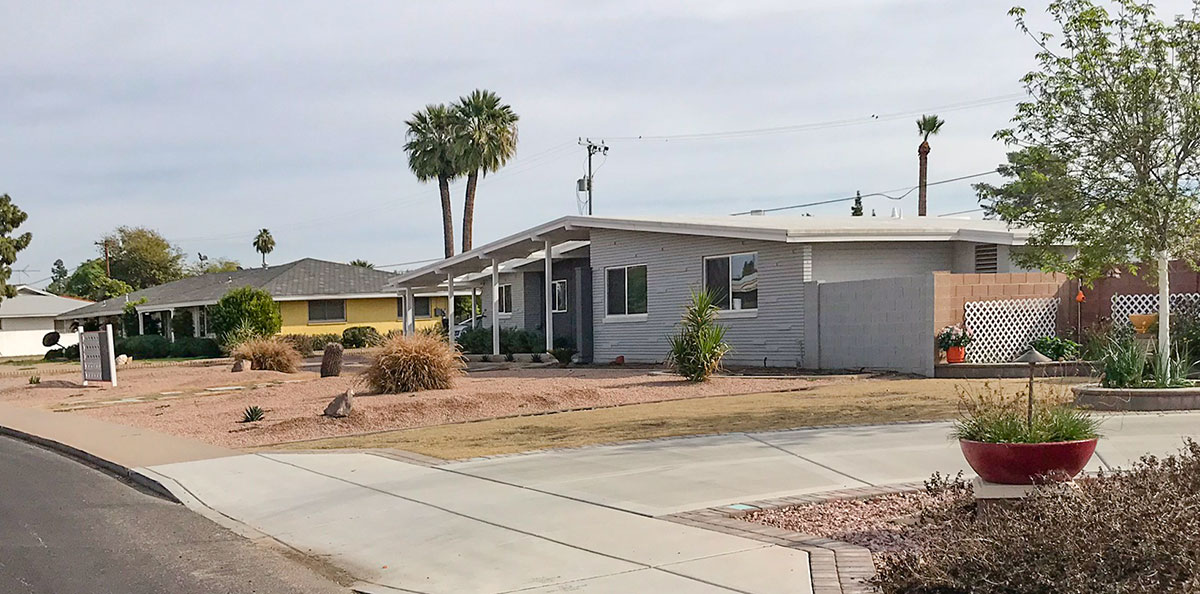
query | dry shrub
(1134,531)
(270,354)
(411,364)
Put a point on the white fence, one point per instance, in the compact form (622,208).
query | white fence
(1003,329)
(1147,303)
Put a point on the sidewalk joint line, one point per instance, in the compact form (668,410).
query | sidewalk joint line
(810,461)
(543,492)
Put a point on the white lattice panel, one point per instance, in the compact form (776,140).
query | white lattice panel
(1147,303)
(1003,329)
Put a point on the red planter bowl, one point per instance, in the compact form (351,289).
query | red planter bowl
(1020,463)
(956,354)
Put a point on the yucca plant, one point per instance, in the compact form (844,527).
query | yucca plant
(697,350)
(252,414)
(1124,362)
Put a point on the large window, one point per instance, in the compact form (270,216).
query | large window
(626,290)
(559,294)
(733,280)
(327,310)
(420,307)
(505,306)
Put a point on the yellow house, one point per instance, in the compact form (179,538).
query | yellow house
(314,297)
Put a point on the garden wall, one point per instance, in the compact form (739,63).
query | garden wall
(953,291)
(875,324)
(1098,303)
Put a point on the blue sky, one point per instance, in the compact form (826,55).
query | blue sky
(208,121)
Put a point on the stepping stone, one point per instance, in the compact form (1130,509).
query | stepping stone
(170,393)
(224,388)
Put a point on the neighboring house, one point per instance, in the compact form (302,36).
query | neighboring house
(314,297)
(30,315)
(765,270)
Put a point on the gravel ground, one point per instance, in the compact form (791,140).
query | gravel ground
(176,400)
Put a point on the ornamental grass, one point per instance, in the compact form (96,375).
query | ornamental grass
(414,363)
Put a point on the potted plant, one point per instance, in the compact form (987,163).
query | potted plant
(954,340)
(1011,442)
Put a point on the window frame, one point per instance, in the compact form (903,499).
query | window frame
(749,311)
(554,305)
(626,316)
(325,303)
(501,290)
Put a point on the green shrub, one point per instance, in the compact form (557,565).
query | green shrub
(1124,363)
(1059,349)
(71,353)
(195,347)
(35,380)
(410,364)
(55,354)
(358,337)
(149,346)
(478,341)
(181,325)
(563,354)
(1170,372)
(303,343)
(697,350)
(242,333)
(317,342)
(248,307)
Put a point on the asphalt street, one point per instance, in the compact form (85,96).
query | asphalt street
(66,528)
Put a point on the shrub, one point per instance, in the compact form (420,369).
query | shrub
(245,307)
(317,342)
(55,354)
(303,343)
(697,350)
(242,333)
(358,337)
(35,380)
(181,325)
(149,346)
(563,354)
(269,354)
(252,414)
(988,415)
(478,341)
(1134,531)
(1124,363)
(1059,349)
(195,347)
(411,364)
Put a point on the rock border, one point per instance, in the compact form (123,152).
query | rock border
(1095,397)
(836,567)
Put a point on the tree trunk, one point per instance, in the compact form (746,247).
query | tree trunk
(1164,309)
(264,255)
(922,177)
(469,209)
(447,217)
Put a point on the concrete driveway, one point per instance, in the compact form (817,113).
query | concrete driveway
(583,520)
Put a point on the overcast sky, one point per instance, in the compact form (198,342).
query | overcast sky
(208,121)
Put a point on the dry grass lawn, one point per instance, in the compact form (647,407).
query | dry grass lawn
(865,401)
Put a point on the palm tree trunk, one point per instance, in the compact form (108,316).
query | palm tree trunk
(264,255)
(469,209)
(922,178)
(447,217)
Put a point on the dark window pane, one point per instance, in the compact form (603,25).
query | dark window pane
(615,279)
(745,281)
(326,310)
(716,280)
(336,310)
(560,296)
(421,307)
(636,277)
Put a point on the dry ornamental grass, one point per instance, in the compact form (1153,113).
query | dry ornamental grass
(411,364)
(269,354)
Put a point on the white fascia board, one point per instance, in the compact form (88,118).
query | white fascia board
(341,296)
(685,228)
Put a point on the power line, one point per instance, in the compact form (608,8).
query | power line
(885,194)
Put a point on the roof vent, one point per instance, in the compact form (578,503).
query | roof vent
(897,213)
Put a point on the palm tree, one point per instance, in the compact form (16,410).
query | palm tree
(926,126)
(362,263)
(264,244)
(434,150)
(489,135)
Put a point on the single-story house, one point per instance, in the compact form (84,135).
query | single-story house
(616,287)
(29,316)
(314,297)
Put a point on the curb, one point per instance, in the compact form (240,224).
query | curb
(135,476)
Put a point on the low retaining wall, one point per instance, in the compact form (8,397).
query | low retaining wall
(1144,399)
(1003,370)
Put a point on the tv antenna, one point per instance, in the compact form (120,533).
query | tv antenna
(24,272)
(584,184)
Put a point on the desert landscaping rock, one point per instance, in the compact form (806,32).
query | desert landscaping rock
(239,365)
(340,407)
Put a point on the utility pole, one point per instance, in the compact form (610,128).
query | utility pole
(585,184)
(107,266)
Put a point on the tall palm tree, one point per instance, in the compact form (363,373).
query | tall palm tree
(926,126)
(264,244)
(489,135)
(434,148)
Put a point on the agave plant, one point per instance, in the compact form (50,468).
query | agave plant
(252,414)
(697,350)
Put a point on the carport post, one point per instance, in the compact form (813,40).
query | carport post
(141,322)
(495,308)
(472,316)
(549,298)
(409,323)
(450,308)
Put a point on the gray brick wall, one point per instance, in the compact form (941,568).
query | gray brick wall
(879,324)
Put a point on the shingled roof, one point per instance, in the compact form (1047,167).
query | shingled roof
(294,280)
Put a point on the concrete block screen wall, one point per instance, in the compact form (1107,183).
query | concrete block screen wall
(876,324)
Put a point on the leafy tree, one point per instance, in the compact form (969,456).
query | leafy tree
(264,244)
(1106,148)
(211,266)
(11,217)
(435,151)
(142,257)
(857,209)
(362,264)
(90,282)
(58,278)
(247,307)
(488,132)
(926,126)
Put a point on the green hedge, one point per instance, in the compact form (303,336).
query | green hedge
(478,341)
(152,346)
(361,336)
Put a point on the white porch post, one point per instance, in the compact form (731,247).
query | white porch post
(169,322)
(450,307)
(141,323)
(197,331)
(495,308)
(409,323)
(549,299)
(472,316)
